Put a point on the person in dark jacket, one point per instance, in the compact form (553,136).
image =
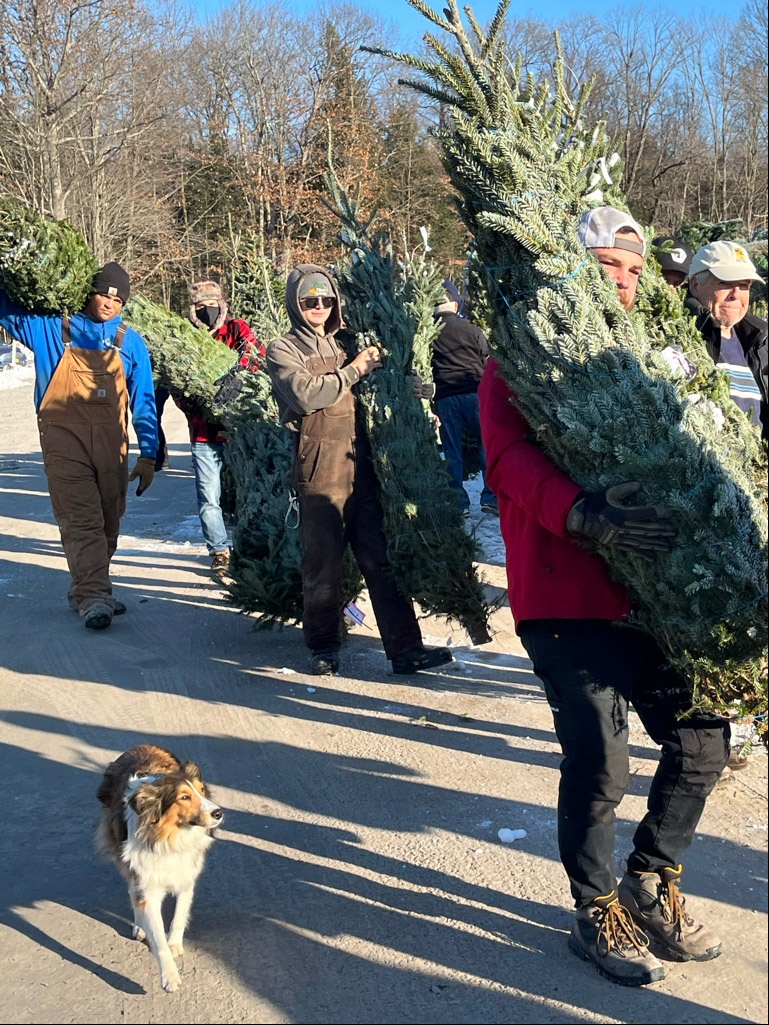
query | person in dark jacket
(459,355)
(313,380)
(572,619)
(89,370)
(208,310)
(720,277)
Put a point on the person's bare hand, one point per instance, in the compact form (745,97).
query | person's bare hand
(367,360)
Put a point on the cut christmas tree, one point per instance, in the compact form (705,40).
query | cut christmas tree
(389,302)
(591,378)
(45,265)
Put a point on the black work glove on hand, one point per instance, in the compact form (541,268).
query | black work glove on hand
(229,387)
(644,530)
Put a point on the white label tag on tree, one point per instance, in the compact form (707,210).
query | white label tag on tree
(355,614)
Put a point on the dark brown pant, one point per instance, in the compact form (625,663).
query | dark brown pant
(87,470)
(329,521)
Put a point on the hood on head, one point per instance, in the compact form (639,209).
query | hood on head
(293,287)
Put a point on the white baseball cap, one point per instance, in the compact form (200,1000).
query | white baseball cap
(598,230)
(727,261)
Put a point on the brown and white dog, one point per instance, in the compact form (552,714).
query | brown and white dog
(157,824)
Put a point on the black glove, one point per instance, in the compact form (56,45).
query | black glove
(644,530)
(229,387)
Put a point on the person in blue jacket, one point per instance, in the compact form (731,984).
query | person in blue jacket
(90,368)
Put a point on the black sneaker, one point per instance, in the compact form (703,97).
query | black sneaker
(604,932)
(325,663)
(420,658)
(98,616)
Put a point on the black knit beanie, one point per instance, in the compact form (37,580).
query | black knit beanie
(112,280)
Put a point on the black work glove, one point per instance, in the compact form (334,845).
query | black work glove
(644,530)
(229,387)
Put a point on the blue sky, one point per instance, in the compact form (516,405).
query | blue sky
(412,24)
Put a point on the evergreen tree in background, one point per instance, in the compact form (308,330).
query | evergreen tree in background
(588,376)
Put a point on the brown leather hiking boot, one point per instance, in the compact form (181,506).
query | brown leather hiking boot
(655,902)
(220,565)
(604,933)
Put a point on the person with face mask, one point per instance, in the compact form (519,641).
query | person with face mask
(209,311)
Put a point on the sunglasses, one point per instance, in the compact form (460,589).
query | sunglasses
(314,302)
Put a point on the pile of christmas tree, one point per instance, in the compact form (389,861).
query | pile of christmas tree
(588,376)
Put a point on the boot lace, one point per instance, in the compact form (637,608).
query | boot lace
(673,905)
(617,931)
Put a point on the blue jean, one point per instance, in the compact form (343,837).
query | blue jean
(207,464)
(457,413)
(591,670)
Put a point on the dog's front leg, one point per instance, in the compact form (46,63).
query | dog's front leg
(152,917)
(180,920)
(135,894)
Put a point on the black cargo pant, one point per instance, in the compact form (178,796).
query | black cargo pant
(591,670)
(339,504)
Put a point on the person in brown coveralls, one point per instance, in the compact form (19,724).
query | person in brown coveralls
(339,504)
(88,370)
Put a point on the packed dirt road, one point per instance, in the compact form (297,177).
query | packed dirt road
(359,876)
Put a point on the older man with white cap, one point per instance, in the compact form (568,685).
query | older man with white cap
(720,278)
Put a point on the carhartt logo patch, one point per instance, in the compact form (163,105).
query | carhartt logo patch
(101,393)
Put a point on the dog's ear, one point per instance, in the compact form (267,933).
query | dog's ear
(147,802)
(191,770)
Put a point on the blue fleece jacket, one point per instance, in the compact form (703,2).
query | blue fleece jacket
(42,334)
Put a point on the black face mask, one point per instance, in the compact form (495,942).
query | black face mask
(208,315)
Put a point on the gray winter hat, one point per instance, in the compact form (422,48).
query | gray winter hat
(315,285)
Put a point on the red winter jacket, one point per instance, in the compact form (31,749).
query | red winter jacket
(238,336)
(549,574)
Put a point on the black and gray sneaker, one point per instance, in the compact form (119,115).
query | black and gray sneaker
(604,932)
(325,663)
(420,658)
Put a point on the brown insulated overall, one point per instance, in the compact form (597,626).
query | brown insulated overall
(339,505)
(83,422)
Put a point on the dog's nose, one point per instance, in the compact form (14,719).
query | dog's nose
(217,814)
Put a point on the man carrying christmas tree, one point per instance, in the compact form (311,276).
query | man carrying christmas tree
(339,504)
(719,281)
(209,311)
(88,370)
(572,619)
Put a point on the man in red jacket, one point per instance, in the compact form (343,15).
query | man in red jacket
(572,620)
(209,311)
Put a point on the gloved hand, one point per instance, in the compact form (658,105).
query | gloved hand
(144,469)
(644,530)
(229,387)
(421,389)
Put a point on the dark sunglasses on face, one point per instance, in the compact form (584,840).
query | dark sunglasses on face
(314,302)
